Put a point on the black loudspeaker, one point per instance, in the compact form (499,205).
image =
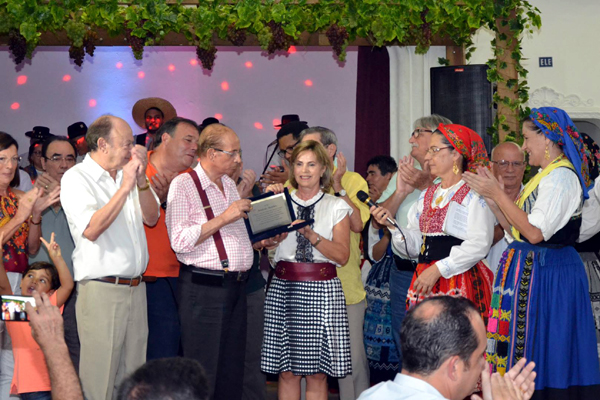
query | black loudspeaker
(464,95)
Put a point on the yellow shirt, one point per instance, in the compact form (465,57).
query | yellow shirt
(349,273)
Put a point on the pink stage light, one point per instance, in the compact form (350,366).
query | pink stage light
(119,65)
(248,64)
(193,61)
(219,116)
(171,67)
(15,106)
(225,85)
(141,74)
(258,125)
(92,103)
(308,82)
(66,78)
(21,79)
(292,49)
(276,121)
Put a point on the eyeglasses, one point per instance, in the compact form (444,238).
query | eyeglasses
(289,150)
(231,154)
(13,160)
(503,164)
(434,150)
(419,131)
(58,159)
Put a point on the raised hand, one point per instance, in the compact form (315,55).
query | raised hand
(237,210)
(52,247)
(275,188)
(46,183)
(44,202)
(130,172)
(26,203)
(247,183)
(272,176)
(160,185)
(341,168)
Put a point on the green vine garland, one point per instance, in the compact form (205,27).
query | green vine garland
(277,24)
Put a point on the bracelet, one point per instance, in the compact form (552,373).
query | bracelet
(141,189)
(319,238)
(35,223)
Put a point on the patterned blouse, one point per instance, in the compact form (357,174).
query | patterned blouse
(15,250)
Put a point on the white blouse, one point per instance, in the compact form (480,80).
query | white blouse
(480,234)
(329,211)
(590,222)
(558,198)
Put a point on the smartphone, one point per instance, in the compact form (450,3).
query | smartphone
(13,307)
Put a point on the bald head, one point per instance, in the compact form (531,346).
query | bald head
(504,157)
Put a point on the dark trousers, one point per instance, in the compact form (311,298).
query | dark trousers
(255,382)
(213,331)
(70,324)
(164,331)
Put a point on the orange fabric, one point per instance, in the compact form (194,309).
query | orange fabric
(163,261)
(31,372)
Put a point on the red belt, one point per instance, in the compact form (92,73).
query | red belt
(292,271)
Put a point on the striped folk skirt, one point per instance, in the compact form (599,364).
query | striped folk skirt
(306,329)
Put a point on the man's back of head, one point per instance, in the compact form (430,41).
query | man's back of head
(166,379)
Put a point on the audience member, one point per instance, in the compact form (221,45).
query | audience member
(204,222)
(449,257)
(166,379)
(58,156)
(206,122)
(35,168)
(508,166)
(150,113)
(30,379)
(176,149)
(37,135)
(345,185)
(47,330)
(20,223)
(106,198)
(540,306)
(379,340)
(443,346)
(287,138)
(76,134)
(398,198)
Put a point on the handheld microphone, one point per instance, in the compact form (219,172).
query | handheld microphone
(362,196)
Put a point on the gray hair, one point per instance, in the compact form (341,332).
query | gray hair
(431,122)
(327,136)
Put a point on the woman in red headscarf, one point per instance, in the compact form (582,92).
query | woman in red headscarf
(450,229)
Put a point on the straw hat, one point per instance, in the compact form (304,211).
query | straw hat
(143,105)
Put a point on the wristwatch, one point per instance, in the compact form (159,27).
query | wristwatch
(341,193)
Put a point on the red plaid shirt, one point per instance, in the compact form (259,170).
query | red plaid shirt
(185,217)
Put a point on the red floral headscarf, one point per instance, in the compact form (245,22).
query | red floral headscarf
(468,143)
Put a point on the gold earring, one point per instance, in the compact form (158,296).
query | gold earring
(547,153)
(455,168)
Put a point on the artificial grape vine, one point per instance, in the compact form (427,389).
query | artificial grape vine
(338,39)
(17,45)
(206,56)
(279,39)
(89,42)
(236,36)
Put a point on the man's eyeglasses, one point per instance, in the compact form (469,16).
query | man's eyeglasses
(58,159)
(420,131)
(503,164)
(231,154)
(434,150)
(13,160)
(289,150)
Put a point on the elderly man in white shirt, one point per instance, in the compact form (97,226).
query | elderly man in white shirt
(443,346)
(107,198)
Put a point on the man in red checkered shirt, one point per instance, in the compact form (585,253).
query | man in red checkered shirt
(212,299)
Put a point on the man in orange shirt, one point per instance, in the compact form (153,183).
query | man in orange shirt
(176,148)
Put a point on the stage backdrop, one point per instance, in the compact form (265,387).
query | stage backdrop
(246,91)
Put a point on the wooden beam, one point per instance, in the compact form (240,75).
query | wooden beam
(456,55)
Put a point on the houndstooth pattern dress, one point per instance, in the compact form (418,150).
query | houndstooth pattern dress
(306,325)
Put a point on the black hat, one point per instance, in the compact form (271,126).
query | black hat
(208,121)
(287,118)
(39,133)
(76,130)
(292,128)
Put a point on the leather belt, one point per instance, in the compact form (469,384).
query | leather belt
(216,273)
(146,278)
(292,271)
(120,281)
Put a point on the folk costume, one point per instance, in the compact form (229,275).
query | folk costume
(458,260)
(540,303)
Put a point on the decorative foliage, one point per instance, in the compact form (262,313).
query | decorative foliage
(277,24)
